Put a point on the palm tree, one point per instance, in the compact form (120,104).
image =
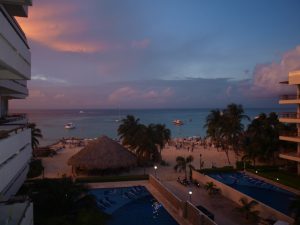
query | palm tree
(214,126)
(211,188)
(143,140)
(295,207)
(261,139)
(247,209)
(36,133)
(161,134)
(182,164)
(233,126)
(128,129)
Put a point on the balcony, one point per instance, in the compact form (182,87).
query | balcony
(15,153)
(16,213)
(11,87)
(15,56)
(13,119)
(293,156)
(289,99)
(292,136)
(289,117)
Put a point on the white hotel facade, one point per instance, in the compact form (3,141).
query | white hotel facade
(292,117)
(15,137)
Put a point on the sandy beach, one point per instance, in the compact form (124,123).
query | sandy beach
(57,166)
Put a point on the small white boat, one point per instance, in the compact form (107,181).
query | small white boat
(70,126)
(81,111)
(177,122)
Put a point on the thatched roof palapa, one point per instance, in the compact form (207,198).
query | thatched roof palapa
(102,154)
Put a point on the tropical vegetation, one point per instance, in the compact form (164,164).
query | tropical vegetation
(63,202)
(247,209)
(225,128)
(35,168)
(36,134)
(183,163)
(259,142)
(146,141)
(211,188)
(261,139)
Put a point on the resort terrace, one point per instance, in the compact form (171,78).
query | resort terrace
(163,186)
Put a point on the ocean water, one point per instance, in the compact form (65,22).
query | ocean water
(96,122)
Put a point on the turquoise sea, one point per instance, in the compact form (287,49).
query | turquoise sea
(96,122)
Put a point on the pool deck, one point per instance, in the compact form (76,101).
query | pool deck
(290,189)
(222,208)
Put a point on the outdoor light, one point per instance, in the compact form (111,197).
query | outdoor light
(277,178)
(256,171)
(155,168)
(190,195)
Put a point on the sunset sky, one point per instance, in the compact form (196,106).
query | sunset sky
(160,53)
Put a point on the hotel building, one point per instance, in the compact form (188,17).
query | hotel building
(292,117)
(15,137)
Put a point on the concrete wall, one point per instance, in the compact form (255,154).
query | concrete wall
(176,202)
(196,217)
(185,209)
(234,195)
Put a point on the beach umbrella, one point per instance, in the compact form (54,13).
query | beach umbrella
(103,154)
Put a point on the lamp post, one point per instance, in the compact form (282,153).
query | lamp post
(190,195)
(155,168)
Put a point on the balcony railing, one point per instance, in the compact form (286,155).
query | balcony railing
(289,133)
(289,115)
(289,97)
(12,118)
(7,133)
(15,25)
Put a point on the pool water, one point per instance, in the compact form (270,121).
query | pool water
(266,193)
(131,206)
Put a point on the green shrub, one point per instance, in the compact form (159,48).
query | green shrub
(240,165)
(164,163)
(95,179)
(225,169)
(35,168)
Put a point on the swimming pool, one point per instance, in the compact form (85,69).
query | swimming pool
(266,193)
(131,205)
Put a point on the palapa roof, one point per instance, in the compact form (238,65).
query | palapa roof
(101,154)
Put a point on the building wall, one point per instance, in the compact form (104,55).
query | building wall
(15,154)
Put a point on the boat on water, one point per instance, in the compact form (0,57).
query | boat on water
(177,122)
(69,126)
(81,111)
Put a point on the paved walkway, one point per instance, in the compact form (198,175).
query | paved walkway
(223,209)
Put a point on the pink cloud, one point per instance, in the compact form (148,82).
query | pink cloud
(140,43)
(266,77)
(151,94)
(36,94)
(130,94)
(59,27)
(121,94)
